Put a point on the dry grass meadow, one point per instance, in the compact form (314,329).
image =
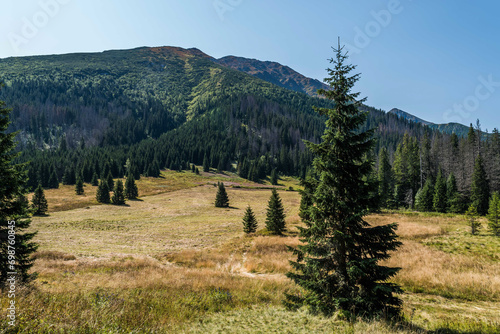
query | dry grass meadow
(172,263)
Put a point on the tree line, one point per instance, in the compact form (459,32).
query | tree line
(439,172)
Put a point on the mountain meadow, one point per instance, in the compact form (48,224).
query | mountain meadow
(126,154)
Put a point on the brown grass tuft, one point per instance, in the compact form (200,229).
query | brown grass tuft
(53,255)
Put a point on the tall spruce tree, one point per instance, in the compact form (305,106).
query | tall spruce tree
(69,176)
(385,186)
(95,180)
(274,177)
(206,164)
(118,194)
(53,180)
(494,214)
(109,181)
(440,200)
(14,211)
(102,194)
(425,196)
(221,198)
(480,191)
(39,202)
(249,221)
(338,263)
(79,187)
(131,191)
(451,190)
(275,217)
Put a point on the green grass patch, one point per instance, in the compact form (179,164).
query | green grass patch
(483,245)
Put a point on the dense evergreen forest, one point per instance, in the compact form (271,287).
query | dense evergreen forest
(142,110)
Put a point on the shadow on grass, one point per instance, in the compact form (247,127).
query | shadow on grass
(480,328)
(41,215)
(135,200)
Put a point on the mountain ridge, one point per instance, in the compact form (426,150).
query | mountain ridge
(274,72)
(124,96)
(449,128)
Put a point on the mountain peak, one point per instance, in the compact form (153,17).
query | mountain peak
(403,114)
(181,52)
(275,73)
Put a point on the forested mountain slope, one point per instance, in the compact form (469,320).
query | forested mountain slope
(167,107)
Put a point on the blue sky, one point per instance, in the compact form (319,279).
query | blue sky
(435,59)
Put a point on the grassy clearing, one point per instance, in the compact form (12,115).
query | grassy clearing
(184,219)
(123,295)
(64,198)
(173,263)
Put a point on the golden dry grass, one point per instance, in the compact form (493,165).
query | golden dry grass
(177,259)
(424,269)
(64,198)
(131,294)
(433,271)
(183,219)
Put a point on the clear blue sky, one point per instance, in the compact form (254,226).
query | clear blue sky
(438,60)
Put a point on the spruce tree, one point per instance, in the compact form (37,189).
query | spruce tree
(480,192)
(53,180)
(206,164)
(118,194)
(249,221)
(440,200)
(337,265)
(406,169)
(131,191)
(384,178)
(494,214)
(69,176)
(275,217)
(79,187)
(220,166)
(39,202)
(221,199)
(14,210)
(197,171)
(307,196)
(274,177)
(135,171)
(102,194)
(109,181)
(472,219)
(95,180)
(425,196)
(451,191)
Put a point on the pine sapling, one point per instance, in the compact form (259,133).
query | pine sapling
(275,220)
(249,221)
(221,199)
(472,219)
